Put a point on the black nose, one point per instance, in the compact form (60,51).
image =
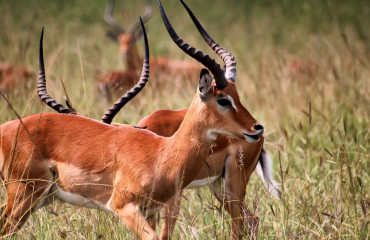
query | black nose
(258,127)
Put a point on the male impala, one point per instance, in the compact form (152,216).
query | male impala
(117,81)
(231,160)
(14,75)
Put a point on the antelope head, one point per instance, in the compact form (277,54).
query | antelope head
(126,39)
(217,99)
(225,106)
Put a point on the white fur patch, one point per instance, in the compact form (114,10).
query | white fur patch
(212,134)
(202,182)
(249,139)
(232,102)
(266,174)
(78,200)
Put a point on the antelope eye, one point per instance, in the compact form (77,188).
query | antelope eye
(224,102)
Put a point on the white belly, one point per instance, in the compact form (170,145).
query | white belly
(78,200)
(202,182)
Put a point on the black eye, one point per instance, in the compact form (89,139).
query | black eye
(224,102)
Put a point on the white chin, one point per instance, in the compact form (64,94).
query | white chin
(251,139)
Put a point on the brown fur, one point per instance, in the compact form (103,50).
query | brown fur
(123,168)
(14,75)
(299,68)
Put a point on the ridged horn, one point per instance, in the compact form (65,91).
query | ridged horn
(41,87)
(108,117)
(206,60)
(108,18)
(147,15)
(226,56)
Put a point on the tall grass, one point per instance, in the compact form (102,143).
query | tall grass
(316,116)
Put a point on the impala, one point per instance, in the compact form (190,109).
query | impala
(230,159)
(14,75)
(117,81)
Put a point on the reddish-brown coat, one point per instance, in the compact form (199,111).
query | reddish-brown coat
(14,75)
(133,168)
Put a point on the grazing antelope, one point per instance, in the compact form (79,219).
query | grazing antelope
(14,75)
(131,172)
(117,81)
(299,68)
(229,159)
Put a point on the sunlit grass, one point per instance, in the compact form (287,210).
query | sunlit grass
(316,120)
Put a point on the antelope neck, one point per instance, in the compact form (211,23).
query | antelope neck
(189,146)
(133,60)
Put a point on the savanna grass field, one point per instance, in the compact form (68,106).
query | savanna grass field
(303,70)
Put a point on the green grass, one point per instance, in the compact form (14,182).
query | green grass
(321,159)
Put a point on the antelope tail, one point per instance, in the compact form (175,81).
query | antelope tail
(264,170)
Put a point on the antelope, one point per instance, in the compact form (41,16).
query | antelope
(14,75)
(116,81)
(300,67)
(229,159)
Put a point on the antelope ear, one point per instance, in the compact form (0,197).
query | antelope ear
(205,82)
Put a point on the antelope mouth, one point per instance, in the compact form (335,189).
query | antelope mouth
(254,137)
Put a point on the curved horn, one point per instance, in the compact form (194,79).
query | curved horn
(108,117)
(207,61)
(41,87)
(147,15)
(109,19)
(226,56)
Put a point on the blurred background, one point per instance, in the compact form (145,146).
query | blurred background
(302,70)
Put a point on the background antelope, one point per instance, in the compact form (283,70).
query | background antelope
(14,76)
(161,67)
